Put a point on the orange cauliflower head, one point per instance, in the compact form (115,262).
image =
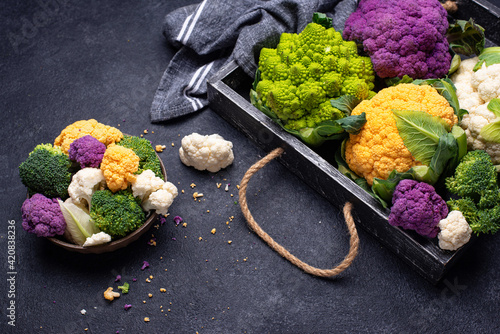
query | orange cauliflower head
(118,166)
(378,149)
(104,133)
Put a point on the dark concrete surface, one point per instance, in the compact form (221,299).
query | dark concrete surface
(103,60)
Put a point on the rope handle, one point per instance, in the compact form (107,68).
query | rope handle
(353,242)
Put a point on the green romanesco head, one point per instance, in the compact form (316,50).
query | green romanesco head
(324,112)
(310,68)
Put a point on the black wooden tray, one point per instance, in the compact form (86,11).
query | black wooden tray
(228,93)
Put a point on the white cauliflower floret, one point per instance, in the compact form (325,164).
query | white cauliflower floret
(209,152)
(97,239)
(84,183)
(455,231)
(154,193)
(474,91)
(486,81)
(145,183)
(161,199)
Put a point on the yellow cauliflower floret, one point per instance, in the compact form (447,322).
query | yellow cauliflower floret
(118,166)
(104,133)
(378,149)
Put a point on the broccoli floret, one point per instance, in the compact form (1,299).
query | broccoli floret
(116,214)
(475,181)
(146,153)
(480,220)
(476,178)
(46,171)
(310,68)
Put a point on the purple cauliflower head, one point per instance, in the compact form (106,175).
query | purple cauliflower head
(43,216)
(417,206)
(87,151)
(402,37)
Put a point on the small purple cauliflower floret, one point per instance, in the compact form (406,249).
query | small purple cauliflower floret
(402,37)
(417,206)
(87,151)
(43,216)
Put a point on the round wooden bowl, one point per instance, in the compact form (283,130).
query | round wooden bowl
(115,244)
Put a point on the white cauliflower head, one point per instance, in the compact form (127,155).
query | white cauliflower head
(154,193)
(84,183)
(455,231)
(209,152)
(474,91)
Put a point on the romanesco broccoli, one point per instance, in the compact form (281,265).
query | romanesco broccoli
(308,69)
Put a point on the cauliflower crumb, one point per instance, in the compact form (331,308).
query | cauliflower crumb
(110,295)
(146,319)
(213,231)
(455,231)
(209,152)
(160,148)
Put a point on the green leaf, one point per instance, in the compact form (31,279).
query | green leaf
(79,225)
(323,20)
(489,56)
(352,124)
(494,107)
(466,37)
(461,138)
(491,132)
(396,81)
(345,103)
(455,64)
(445,156)
(420,132)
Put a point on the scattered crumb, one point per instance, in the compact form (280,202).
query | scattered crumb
(213,231)
(163,289)
(160,148)
(227,187)
(218,185)
(200,238)
(196,195)
(146,131)
(229,242)
(173,144)
(184,225)
(150,295)
(192,185)
(83,311)
(146,319)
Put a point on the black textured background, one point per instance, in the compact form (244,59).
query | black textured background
(62,61)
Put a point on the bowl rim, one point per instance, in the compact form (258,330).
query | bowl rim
(115,244)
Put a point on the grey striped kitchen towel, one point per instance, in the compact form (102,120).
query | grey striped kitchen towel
(213,32)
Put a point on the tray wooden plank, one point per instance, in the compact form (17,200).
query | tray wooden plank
(228,94)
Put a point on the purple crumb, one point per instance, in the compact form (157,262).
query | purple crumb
(127,307)
(145,265)
(178,220)
(118,278)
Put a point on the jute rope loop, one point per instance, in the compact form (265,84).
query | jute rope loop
(353,242)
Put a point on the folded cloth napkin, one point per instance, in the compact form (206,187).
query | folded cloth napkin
(210,34)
